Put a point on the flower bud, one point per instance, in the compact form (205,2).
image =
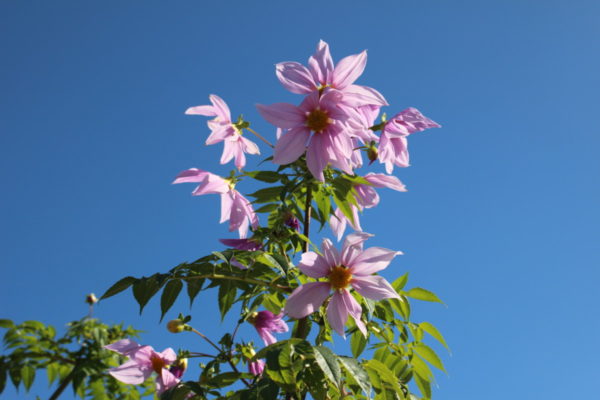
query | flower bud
(176,326)
(91,299)
(178,367)
(372,153)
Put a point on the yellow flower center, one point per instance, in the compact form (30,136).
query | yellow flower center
(157,364)
(317,120)
(339,277)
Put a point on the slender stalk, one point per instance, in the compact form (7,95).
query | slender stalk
(307,214)
(258,135)
(282,288)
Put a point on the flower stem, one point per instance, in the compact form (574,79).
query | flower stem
(258,135)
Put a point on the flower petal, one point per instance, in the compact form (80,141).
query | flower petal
(130,372)
(338,222)
(321,64)
(221,108)
(374,287)
(207,111)
(219,133)
(337,312)
(317,157)
(306,299)
(125,347)
(226,205)
(372,260)
(191,175)
(353,245)
(349,69)
(282,115)
(385,181)
(330,253)
(290,146)
(313,265)
(165,381)
(354,310)
(357,95)
(168,355)
(295,77)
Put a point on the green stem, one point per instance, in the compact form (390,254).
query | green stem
(258,135)
(281,288)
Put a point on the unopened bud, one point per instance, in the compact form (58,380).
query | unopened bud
(176,326)
(372,153)
(179,367)
(91,299)
(252,318)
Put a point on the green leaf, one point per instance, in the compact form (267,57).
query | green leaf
(267,195)
(279,367)
(344,206)
(358,342)
(6,323)
(119,287)
(424,387)
(267,259)
(432,330)
(423,294)
(323,203)
(227,292)
(169,295)
(193,287)
(144,289)
(383,379)
(399,283)
(328,362)
(228,378)
(2,376)
(264,176)
(421,368)
(429,355)
(28,376)
(52,372)
(358,373)
(267,208)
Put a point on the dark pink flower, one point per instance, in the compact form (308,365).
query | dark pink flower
(353,268)
(234,207)
(393,144)
(256,367)
(266,322)
(223,130)
(143,360)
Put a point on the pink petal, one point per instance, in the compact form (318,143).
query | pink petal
(165,381)
(374,287)
(168,355)
(316,157)
(208,111)
(131,373)
(143,356)
(366,196)
(349,69)
(220,133)
(295,77)
(337,312)
(385,181)
(213,184)
(125,347)
(282,115)
(353,245)
(266,336)
(414,120)
(226,204)
(330,253)
(191,175)
(314,265)
(306,299)
(372,260)
(356,96)
(240,157)
(354,310)
(338,222)
(321,64)
(290,146)
(221,108)
(249,146)
(229,151)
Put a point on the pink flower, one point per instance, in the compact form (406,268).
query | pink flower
(143,360)
(234,207)
(366,197)
(321,74)
(266,322)
(325,117)
(354,268)
(223,130)
(242,244)
(256,367)
(393,145)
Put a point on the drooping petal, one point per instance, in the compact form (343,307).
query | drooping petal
(317,157)
(414,120)
(337,312)
(338,222)
(256,367)
(295,77)
(125,347)
(354,310)
(306,299)
(282,115)
(130,372)
(374,287)
(219,133)
(266,336)
(321,64)
(226,205)
(165,381)
(229,151)
(385,181)
(242,244)
(290,146)
(372,260)
(330,253)
(240,157)
(353,245)
(249,146)
(349,69)
(221,108)
(313,265)
(366,196)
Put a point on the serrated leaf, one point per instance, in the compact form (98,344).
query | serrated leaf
(119,287)
(429,355)
(328,363)
(169,295)
(227,293)
(423,294)
(383,379)
(193,287)
(432,330)
(358,373)
(144,289)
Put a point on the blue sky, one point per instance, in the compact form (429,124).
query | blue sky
(501,219)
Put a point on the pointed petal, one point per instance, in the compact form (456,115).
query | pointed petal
(207,111)
(168,355)
(357,95)
(349,69)
(213,184)
(295,77)
(316,157)
(374,287)
(330,253)
(338,222)
(165,381)
(191,175)
(353,246)
(321,64)
(226,204)
(283,115)
(219,133)
(354,310)
(229,151)
(385,181)
(414,120)
(249,146)
(221,108)
(290,146)
(130,372)
(313,265)
(306,299)
(266,336)
(125,347)
(372,260)
(337,312)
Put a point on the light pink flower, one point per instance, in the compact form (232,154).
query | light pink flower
(321,74)
(393,144)
(366,197)
(143,360)
(353,268)
(223,130)
(325,117)
(266,322)
(234,207)
(256,367)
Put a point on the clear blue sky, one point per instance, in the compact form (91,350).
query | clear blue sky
(501,218)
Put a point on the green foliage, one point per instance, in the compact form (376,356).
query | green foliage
(76,359)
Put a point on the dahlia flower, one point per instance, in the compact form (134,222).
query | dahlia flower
(266,322)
